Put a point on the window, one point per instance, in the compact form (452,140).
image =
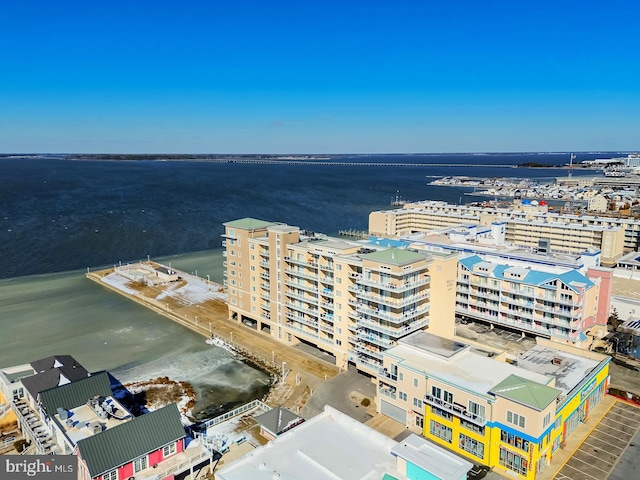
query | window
(400,376)
(476,409)
(442,413)
(415,382)
(515,419)
(447,397)
(419,421)
(513,461)
(140,464)
(471,445)
(338,342)
(440,431)
(515,441)
(547,420)
(112,475)
(168,450)
(417,402)
(402,396)
(436,392)
(471,426)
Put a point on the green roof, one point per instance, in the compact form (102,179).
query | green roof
(122,444)
(74,394)
(394,256)
(248,224)
(528,393)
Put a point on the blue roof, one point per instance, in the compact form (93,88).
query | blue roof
(388,242)
(533,277)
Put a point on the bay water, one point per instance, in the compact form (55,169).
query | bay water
(60,216)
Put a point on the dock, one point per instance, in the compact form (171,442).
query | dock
(357,234)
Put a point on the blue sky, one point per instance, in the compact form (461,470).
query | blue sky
(319,76)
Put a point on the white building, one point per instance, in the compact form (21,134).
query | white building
(333,446)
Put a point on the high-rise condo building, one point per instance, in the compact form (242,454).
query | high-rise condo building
(350,299)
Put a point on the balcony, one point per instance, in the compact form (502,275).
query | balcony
(378,340)
(265,275)
(326,268)
(301,273)
(224,243)
(355,275)
(369,351)
(394,317)
(391,301)
(302,286)
(396,287)
(264,263)
(456,409)
(302,298)
(307,333)
(300,308)
(387,392)
(383,373)
(327,280)
(392,332)
(265,286)
(370,365)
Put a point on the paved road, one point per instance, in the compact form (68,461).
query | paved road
(598,458)
(337,392)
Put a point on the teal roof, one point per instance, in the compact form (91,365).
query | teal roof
(248,224)
(526,392)
(120,445)
(539,278)
(76,393)
(394,256)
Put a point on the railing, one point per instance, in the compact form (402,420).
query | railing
(387,393)
(392,332)
(301,308)
(396,287)
(395,318)
(386,375)
(375,339)
(328,341)
(455,409)
(296,273)
(193,458)
(303,298)
(394,302)
(235,412)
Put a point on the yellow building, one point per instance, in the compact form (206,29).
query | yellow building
(509,416)
(526,224)
(351,299)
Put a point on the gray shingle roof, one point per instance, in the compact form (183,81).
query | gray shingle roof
(120,445)
(76,393)
(49,376)
(277,420)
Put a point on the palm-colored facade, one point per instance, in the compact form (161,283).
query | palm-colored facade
(509,417)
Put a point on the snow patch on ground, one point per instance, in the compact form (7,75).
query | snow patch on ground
(118,281)
(196,290)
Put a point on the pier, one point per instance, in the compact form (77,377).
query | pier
(357,234)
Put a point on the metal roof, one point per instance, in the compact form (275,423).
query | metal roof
(248,224)
(77,393)
(395,256)
(526,392)
(122,444)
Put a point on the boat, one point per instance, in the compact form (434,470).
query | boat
(614,173)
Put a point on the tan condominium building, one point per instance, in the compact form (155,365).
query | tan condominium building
(351,299)
(525,225)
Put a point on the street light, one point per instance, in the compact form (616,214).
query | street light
(148,258)
(231,336)
(273,356)
(210,327)
(208,279)
(196,321)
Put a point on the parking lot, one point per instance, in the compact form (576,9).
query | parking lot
(598,456)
